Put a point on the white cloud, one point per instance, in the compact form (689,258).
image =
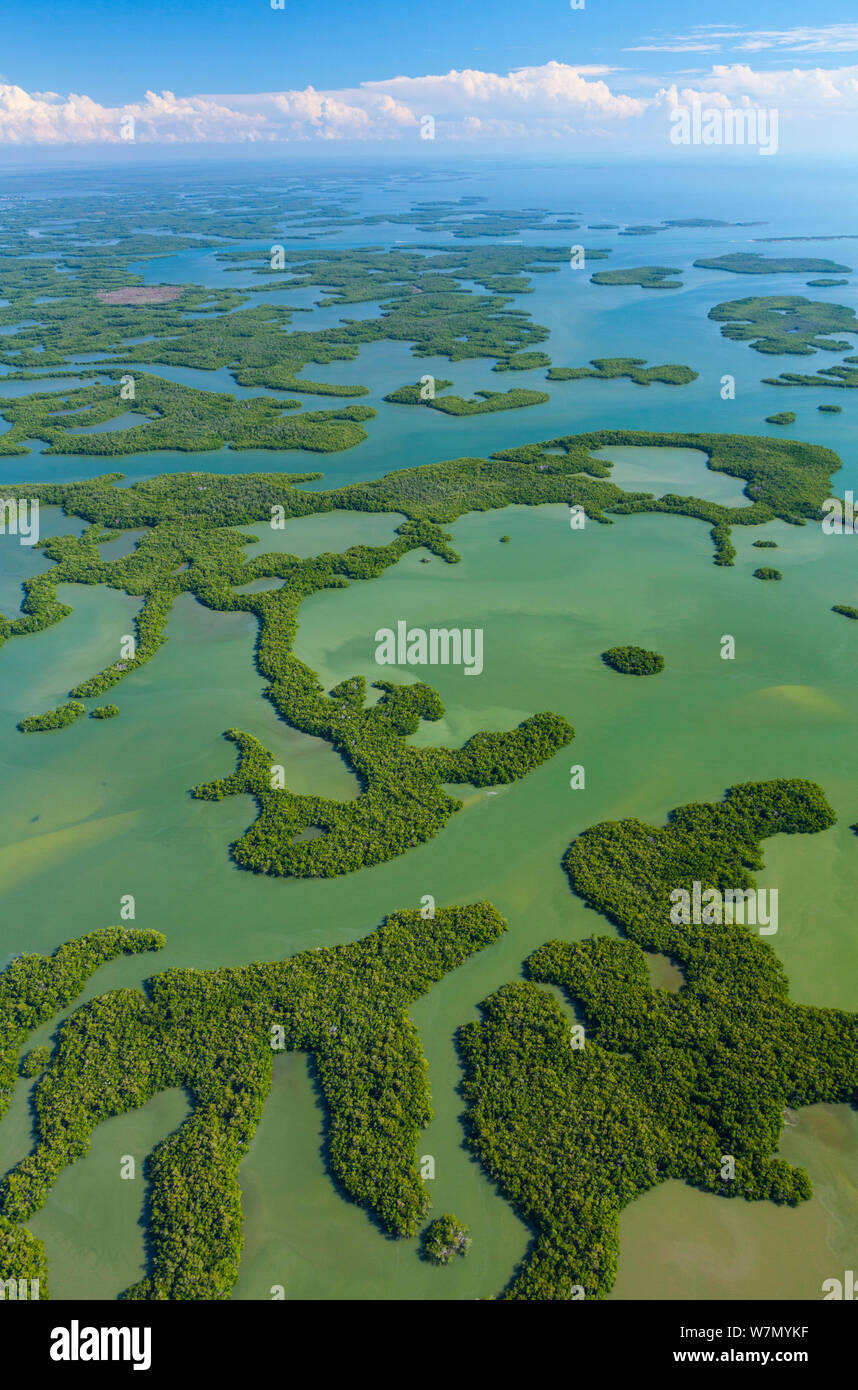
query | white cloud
(708,38)
(552,103)
(796,89)
(555,89)
(46,118)
(468,103)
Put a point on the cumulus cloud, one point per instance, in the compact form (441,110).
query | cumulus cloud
(44,118)
(796,90)
(555,89)
(464,104)
(552,103)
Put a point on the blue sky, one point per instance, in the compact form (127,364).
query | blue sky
(488,72)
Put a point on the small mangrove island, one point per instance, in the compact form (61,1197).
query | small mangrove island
(647,277)
(633,661)
(444,1239)
(635,368)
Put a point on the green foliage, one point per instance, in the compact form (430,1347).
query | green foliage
(844,376)
(60,303)
(35,1061)
(445,1238)
(633,661)
(486,403)
(410,395)
(422,303)
(666,1084)
(705,222)
(22,1260)
(764,545)
(214,1034)
(180,418)
(786,323)
(104,712)
(785,479)
(522,362)
(648,277)
(752,263)
(783,417)
(845,610)
(766,573)
(34,989)
(830,409)
(403,802)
